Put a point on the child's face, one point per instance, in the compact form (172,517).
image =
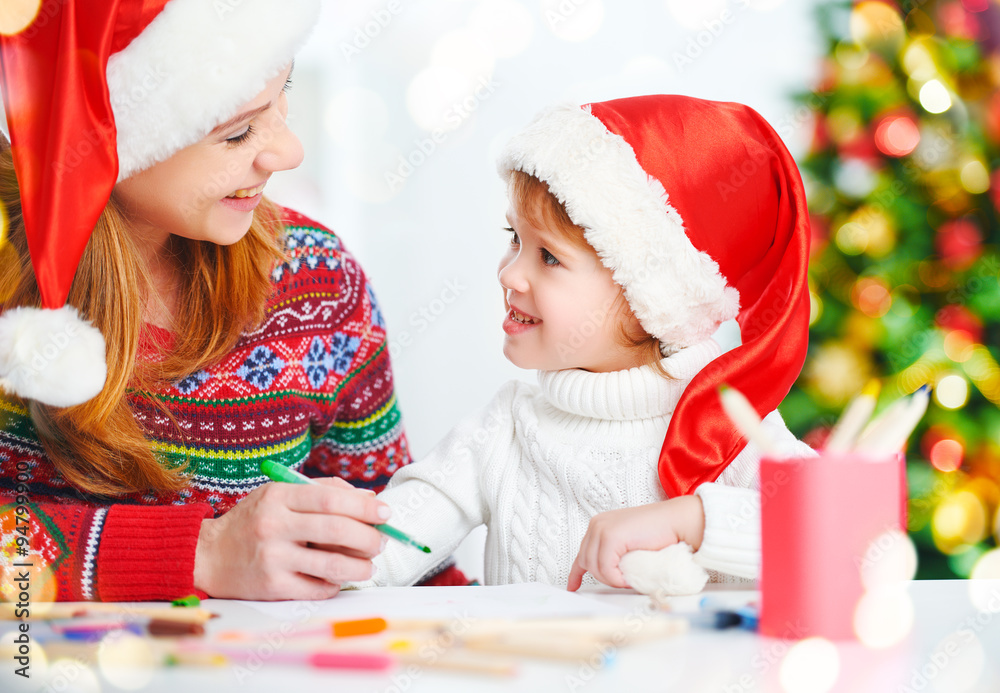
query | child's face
(568,300)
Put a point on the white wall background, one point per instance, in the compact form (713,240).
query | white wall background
(378,77)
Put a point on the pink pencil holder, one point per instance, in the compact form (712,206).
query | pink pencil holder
(818,518)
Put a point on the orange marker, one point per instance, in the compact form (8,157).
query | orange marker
(363,626)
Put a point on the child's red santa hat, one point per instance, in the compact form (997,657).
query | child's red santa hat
(698,210)
(97,91)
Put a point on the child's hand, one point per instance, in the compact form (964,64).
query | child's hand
(650,527)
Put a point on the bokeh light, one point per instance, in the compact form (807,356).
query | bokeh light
(987,566)
(507,24)
(693,16)
(975,178)
(570,21)
(437,97)
(958,346)
(958,522)
(851,56)
(897,135)
(883,617)
(918,62)
(812,665)
(871,296)
(465,51)
(951,391)
(854,178)
(891,559)
(876,23)
(934,97)
(946,454)
(16,15)
(126,660)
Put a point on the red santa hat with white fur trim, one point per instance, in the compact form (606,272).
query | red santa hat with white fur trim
(97,91)
(697,208)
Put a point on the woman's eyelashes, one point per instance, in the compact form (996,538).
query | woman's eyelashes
(241,138)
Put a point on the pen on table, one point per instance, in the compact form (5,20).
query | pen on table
(897,425)
(279,472)
(852,421)
(742,413)
(717,614)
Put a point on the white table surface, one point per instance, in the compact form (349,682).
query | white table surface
(953,646)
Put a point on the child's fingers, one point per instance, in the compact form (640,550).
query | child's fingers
(576,573)
(608,571)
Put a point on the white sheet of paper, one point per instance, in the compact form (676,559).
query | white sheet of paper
(524,600)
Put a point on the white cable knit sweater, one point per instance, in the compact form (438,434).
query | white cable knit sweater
(539,461)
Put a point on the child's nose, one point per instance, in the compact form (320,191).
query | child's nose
(511,274)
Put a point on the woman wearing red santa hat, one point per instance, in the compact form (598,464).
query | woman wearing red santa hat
(164,328)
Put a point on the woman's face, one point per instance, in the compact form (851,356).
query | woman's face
(208,191)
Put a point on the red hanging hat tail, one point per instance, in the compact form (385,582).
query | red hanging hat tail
(698,209)
(97,91)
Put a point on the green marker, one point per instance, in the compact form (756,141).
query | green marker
(279,472)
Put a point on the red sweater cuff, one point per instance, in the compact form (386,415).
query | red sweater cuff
(147,552)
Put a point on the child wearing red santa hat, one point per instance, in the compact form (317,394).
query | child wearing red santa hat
(638,227)
(164,328)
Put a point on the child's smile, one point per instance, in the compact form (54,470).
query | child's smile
(563,307)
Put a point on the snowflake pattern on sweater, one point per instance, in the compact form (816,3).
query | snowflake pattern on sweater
(310,388)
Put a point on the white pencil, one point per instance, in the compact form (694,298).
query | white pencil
(742,413)
(894,430)
(854,418)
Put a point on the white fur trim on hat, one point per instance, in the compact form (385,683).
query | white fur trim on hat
(675,290)
(193,66)
(52,356)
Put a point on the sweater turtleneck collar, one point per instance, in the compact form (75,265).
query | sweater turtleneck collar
(636,393)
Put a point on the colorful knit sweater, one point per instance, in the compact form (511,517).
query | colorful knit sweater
(311,388)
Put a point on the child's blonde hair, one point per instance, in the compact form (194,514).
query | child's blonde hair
(536,203)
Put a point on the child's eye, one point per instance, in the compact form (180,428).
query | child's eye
(241,138)
(514,240)
(548,258)
(288,84)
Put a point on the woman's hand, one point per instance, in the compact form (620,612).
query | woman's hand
(290,541)
(650,527)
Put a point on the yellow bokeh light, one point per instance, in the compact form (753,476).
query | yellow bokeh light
(875,23)
(851,238)
(16,15)
(812,665)
(951,391)
(918,62)
(975,178)
(934,97)
(815,307)
(850,55)
(883,617)
(959,521)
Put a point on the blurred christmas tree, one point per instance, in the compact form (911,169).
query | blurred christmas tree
(903,179)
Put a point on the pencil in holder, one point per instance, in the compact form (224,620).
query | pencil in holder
(819,516)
